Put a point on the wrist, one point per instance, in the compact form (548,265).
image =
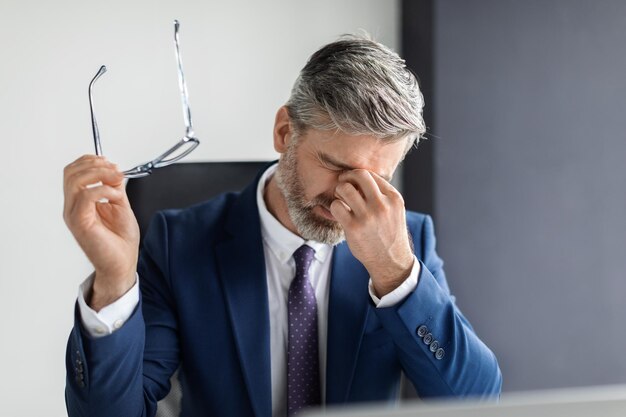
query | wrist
(106,290)
(392,277)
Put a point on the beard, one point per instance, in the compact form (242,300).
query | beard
(309,225)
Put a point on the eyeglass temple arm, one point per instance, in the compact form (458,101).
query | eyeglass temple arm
(182,85)
(94,124)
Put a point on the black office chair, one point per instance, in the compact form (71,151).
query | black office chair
(178,186)
(181,185)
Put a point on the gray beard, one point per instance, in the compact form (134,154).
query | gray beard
(309,225)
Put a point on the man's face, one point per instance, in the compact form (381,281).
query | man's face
(308,170)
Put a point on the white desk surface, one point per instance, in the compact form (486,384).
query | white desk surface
(605,401)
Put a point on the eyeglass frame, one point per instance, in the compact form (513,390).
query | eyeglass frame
(189,139)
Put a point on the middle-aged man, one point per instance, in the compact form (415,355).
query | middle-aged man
(312,286)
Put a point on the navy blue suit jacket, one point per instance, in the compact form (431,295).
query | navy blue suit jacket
(204,307)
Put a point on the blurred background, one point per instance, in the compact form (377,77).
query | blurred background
(523,166)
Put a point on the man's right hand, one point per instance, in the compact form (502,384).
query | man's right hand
(107,232)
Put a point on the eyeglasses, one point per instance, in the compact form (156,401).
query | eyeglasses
(177,152)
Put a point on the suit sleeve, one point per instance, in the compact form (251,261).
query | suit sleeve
(437,347)
(127,372)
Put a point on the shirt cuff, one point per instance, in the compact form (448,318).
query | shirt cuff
(400,293)
(111,317)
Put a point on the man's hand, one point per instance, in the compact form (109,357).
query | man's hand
(371,212)
(106,231)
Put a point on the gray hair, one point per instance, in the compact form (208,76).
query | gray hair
(360,87)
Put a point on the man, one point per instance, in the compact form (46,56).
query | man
(312,286)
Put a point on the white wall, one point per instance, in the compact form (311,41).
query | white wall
(241,58)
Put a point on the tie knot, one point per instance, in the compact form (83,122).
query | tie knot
(303,257)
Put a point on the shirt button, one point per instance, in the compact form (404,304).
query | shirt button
(99,330)
(422,330)
(118,324)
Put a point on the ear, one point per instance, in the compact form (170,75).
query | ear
(282,130)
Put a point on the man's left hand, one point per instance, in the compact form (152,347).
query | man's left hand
(372,214)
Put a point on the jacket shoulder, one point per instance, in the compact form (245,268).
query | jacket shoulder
(422,231)
(415,219)
(196,224)
(419,224)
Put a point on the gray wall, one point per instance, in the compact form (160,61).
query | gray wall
(530,182)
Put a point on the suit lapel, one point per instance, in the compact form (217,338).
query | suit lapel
(242,273)
(347,314)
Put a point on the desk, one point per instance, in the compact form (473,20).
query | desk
(606,401)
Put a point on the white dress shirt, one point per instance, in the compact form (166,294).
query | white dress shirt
(279,244)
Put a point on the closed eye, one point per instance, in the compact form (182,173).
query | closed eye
(329,163)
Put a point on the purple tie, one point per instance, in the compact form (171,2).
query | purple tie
(303,370)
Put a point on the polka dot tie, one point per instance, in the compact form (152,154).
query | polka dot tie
(303,370)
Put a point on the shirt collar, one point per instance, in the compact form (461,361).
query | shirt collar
(281,241)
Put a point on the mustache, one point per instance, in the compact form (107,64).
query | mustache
(321,200)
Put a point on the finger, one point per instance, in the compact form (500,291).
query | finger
(92,175)
(384,186)
(99,193)
(89,197)
(363,181)
(352,198)
(341,212)
(89,178)
(389,191)
(83,161)
(86,200)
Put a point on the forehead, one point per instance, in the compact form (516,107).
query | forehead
(347,151)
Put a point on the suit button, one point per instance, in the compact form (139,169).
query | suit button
(440,353)
(434,346)
(422,330)
(428,339)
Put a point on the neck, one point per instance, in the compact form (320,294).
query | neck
(277,205)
